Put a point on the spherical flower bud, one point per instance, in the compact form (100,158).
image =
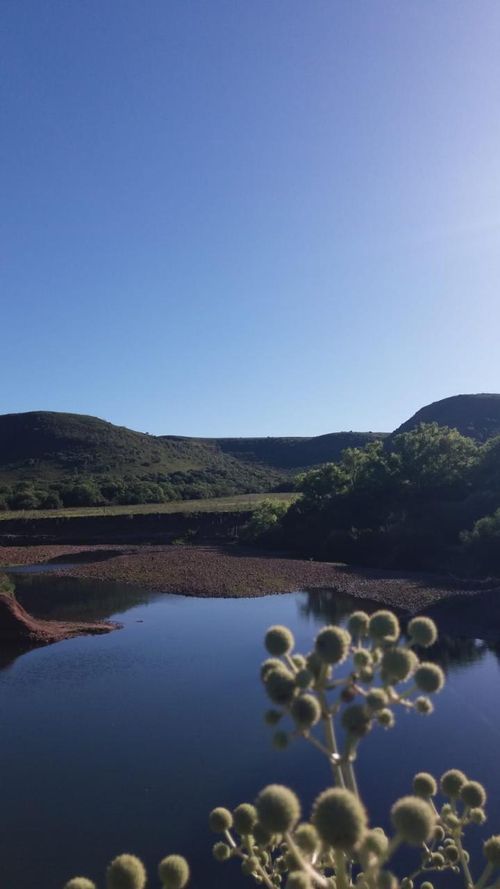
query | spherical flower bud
(250,866)
(377,699)
(406,883)
(451,854)
(357,624)
(281,740)
(357,720)
(280,686)
(304,678)
(279,640)
(362,658)
(339,818)
(306,837)
(386,718)
(299,661)
(384,627)
(375,842)
(424,785)
(426,885)
(413,819)
(298,879)
(422,631)
(429,677)
(424,706)
(398,664)
(305,711)
(126,872)
(220,820)
(271,663)
(451,782)
(437,859)
(491,850)
(173,872)
(473,794)
(332,645)
(244,818)
(278,808)
(438,834)
(79,883)
(348,694)
(221,851)
(477,816)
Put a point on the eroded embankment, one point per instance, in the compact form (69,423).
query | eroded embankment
(231,571)
(126,528)
(18,627)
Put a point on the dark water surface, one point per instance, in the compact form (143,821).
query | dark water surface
(124,742)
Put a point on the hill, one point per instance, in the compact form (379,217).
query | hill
(49,459)
(286,454)
(477,416)
(77,460)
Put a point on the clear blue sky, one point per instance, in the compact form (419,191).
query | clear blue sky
(249,216)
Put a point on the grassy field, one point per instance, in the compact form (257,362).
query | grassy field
(239,502)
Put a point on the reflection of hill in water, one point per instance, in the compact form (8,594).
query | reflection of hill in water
(69,598)
(469,626)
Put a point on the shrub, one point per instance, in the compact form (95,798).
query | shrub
(265,522)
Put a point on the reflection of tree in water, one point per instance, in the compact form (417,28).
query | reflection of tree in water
(69,598)
(452,652)
(333,607)
(457,645)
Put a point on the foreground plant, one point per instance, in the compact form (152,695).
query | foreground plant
(337,847)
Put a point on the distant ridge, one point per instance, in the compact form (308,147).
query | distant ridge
(477,416)
(288,453)
(47,448)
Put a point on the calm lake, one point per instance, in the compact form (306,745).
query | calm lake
(124,742)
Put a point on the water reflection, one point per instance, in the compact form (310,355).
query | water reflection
(52,597)
(150,727)
(469,626)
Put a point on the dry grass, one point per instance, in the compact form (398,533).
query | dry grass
(238,502)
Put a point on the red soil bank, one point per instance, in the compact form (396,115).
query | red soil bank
(17,627)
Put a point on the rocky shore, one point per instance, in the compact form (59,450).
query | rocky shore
(230,571)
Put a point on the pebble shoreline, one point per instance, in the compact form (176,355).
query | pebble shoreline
(222,572)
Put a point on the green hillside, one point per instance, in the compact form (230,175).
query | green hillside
(51,460)
(288,455)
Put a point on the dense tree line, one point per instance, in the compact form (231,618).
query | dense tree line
(428,498)
(87,490)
